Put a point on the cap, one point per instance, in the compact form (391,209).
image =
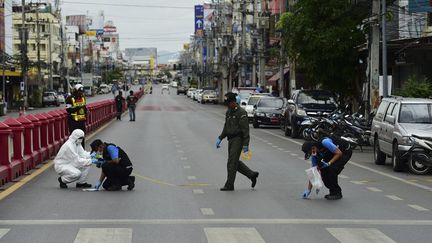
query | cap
(230,97)
(78,87)
(95,144)
(307,147)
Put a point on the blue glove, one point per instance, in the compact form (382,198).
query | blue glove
(93,155)
(94,161)
(306,194)
(98,184)
(218,142)
(324,164)
(245,149)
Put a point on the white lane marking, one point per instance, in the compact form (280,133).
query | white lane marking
(198,191)
(294,155)
(207,211)
(355,235)
(394,197)
(233,235)
(3,232)
(374,189)
(180,151)
(183,158)
(191,178)
(178,146)
(269,143)
(186,167)
(104,235)
(274,146)
(287,151)
(343,176)
(176,141)
(265,141)
(358,182)
(288,221)
(356,164)
(281,149)
(417,207)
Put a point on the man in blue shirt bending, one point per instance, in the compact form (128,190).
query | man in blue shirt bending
(116,166)
(330,155)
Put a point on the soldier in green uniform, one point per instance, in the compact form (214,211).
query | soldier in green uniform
(236,129)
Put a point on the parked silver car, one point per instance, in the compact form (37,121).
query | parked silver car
(396,120)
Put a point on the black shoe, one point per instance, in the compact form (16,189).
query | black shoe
(62,184)
(254,179)
(83,185)
(227,188)
(114,188)
(131,182)
(334,197)
(326,196)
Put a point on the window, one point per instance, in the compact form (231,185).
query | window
(316,97)
(273,103)
(381,110)
(416,113)
(42,47)
(43,28)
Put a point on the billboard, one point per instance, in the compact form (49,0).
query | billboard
(199,20)
(420,6)
(78,20)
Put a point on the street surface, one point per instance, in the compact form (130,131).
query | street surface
(177,199)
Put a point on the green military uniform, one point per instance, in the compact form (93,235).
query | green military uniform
(236,129)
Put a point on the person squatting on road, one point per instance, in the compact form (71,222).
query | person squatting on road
(72,162)
(236,129)
(119,105)
(116,166)
(131,101)
(77,110)
(331,155)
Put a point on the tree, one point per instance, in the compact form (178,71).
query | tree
(415,88)
(322,38)
(110,75)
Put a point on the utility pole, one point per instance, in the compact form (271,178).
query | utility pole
(24,52)
(384,47)
(50,58)
(242,74)
(282,63)
(261,44)
(39,71)
(374,51)
(292,69)
(254,64)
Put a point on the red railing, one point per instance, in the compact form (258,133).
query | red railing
(28,141)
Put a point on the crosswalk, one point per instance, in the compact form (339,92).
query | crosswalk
(219,235)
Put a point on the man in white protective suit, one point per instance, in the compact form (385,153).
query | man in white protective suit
(72,162)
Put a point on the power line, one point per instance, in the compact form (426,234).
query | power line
(128,5)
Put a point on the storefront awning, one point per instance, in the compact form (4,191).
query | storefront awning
(276,77)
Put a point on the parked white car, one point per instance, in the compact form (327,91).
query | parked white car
(251,102)
(208,96)
(196,93)
(190,92)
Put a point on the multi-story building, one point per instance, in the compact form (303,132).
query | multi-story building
(44,45)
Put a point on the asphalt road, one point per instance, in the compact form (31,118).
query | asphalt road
(177,198)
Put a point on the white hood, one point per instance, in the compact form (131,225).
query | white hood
(72,152)
(419,129)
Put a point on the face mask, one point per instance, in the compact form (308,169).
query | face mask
(79,141)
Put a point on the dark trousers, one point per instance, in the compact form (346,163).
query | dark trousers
(116,175)
(234,164)
(77,125)
(119,112)
(132,112)
(330,174)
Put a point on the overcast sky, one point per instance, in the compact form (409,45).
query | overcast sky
(143,26)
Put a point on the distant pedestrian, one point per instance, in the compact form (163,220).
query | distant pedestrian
(113,89)
(119,105)
(131,101)
(236,129)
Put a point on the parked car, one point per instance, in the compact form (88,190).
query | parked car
(397,119)
(50,98)
(208,96)
(304,104)
(196,93)
(61,97)
(104,89)
(251,102)
(181,89)
(268,111)
(243,93)
(189,92)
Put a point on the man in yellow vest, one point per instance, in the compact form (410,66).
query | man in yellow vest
(77,110)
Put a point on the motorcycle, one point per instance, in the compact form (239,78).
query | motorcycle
(420,155)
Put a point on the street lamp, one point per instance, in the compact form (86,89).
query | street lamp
(50,78)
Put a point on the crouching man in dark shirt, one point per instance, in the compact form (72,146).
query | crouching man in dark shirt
(116,166)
